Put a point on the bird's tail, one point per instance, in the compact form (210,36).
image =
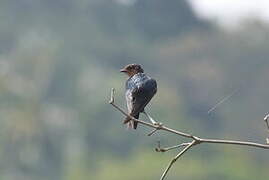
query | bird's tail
(130,123)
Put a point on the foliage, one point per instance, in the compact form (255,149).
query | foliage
(59,59)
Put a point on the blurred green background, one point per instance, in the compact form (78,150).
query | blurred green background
(60,58)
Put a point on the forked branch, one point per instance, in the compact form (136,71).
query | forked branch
(195,140)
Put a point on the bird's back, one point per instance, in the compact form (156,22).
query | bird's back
(141,81)
(140,89)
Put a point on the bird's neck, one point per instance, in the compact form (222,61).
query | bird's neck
(131,74)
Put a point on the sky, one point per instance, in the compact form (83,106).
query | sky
(227,13)
(231,12)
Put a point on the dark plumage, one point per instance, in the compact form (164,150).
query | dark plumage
(140,89)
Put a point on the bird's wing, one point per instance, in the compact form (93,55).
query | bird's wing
(140,96)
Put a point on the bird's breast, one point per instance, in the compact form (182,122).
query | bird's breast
(129,98)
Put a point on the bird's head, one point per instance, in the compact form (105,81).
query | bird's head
(132,69)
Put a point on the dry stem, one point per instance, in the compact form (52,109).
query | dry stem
(195,140)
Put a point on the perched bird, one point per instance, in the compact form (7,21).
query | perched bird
(140,88)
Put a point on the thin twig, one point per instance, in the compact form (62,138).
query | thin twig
(153,131)
(154,123)
(149,124)
(159,149)
(176,158)
(222,101)
(196,140)
(150,118)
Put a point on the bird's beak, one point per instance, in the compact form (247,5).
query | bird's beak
(123,70)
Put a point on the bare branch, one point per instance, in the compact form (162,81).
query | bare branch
(159,149)
(146,123)
(153,131)
(242,143)
(176,158)
(150,118)
(195,140)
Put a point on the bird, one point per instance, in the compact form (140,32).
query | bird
(139,90)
